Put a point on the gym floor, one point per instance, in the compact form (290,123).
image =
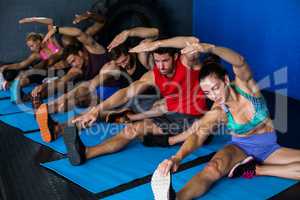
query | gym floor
(22,177)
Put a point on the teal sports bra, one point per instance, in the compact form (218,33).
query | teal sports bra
(260,115)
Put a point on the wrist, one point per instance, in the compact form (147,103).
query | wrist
(129,33)
(211,49)
(56,28)
(158,44)
(176,159)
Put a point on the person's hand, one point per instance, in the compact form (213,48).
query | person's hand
(25,20)
(5,85)
(168,165)
(87,119)
(145,47)
(51,31)
(119,39)
(79,18)
(37,90)
(197,47)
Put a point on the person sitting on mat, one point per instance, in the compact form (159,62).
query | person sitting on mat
(54,65)
(176,77)
(39,51)
(66,40)
(253,149)
(123,69)
(85,60)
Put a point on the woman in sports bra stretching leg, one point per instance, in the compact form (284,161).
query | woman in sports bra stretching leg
(253,149)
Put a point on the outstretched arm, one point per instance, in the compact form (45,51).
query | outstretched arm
(240,67)
(176,42)
(119,98)
(99,22)
(41,20)
(61,83)
(141,32)
(109,71)
(23,64)
(89,43)
(196,136)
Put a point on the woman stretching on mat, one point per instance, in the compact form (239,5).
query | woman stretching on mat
(53,62)
(39,51)
(253,149)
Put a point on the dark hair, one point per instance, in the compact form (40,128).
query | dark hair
(116,52)
(168,50)
(72,49)
(10,74)
(211,66)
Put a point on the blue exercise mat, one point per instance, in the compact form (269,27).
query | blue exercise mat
(7,107)
(6,93)
(26,121)
(104,92)
(226,189)
(108,171)
(89,136)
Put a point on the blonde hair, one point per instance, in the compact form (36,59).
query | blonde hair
(34,36)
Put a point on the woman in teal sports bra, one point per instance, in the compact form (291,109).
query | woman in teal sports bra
(253,149)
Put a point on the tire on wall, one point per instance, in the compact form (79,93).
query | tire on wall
(127,14)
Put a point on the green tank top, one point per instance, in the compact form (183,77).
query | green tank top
(260,115)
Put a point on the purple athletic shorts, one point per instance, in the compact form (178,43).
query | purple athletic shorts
(260,146)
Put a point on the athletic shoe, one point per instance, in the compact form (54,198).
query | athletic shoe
(245,169)
(15,92)
(151,140)
(48,127)
(75,147)
(162,187)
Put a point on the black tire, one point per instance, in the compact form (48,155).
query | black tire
(127,14)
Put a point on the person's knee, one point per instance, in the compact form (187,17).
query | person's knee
(214,169)
(24,81)
(83,97)
(134,130)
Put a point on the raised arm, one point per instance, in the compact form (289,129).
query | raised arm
(41,20)
(240,66)
(94,29)
(141,32)
(119,98)
(176,42)
(89,43)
